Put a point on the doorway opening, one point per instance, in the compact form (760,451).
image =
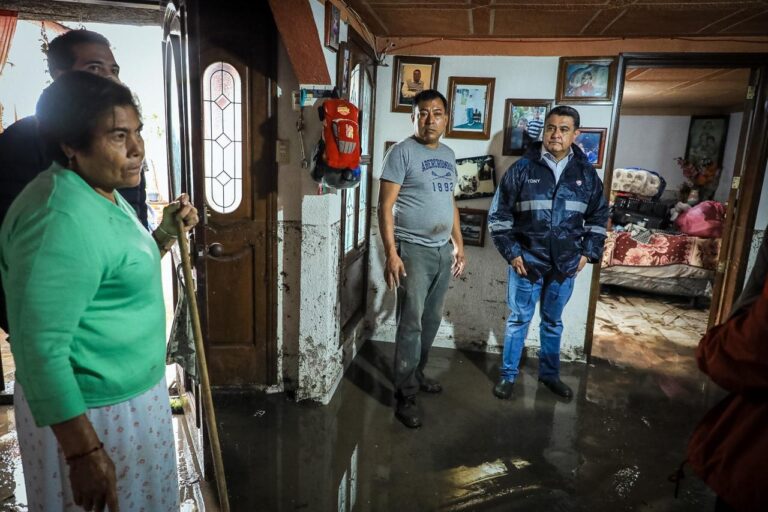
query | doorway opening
(681,138)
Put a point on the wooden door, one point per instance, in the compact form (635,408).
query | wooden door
(228,117)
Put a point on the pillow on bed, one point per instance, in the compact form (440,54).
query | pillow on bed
(704,220)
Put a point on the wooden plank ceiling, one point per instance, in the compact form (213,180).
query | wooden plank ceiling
(559,19)
(686,89)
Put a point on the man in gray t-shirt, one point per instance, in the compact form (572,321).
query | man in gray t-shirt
(417,220)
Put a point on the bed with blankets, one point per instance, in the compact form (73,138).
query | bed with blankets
(657,262)
(647,250)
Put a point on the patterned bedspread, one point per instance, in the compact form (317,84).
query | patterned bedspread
(662,249)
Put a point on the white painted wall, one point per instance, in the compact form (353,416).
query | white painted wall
(761,226)
(310,358)
(476,309)
(653,143)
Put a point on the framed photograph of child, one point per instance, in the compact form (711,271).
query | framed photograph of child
(473,225)
(470,101)
(586,80)
(592,142)
(410,76)
(523,124)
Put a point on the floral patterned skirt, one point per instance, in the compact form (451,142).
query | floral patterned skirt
(138,437)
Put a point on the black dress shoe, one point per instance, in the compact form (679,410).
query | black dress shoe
(503,389)
(557,386)
(428,385)
(407,412)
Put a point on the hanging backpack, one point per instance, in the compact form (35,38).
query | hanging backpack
(336,161)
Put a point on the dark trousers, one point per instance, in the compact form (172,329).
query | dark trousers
(420,300)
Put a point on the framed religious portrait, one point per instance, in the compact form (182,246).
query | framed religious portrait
(592,142)
(586,80)
(523,124)
(332,25)
(473,224)
(475,177)
(470,103)
(706,140)
(410,76)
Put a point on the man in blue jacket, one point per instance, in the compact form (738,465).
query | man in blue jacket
(547,220)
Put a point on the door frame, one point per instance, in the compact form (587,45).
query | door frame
(347,260)
(751,158)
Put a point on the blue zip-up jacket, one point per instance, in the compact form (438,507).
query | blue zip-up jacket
(550,224)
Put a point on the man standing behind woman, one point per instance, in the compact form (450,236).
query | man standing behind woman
(418,219)
(22,156)
(86,313)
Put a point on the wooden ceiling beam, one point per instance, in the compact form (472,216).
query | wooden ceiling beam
(568,46)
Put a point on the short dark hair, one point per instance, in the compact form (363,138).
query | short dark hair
(61,53)
(70,109)
(565,110)
(427,95)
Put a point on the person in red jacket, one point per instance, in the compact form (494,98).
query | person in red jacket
(729,448)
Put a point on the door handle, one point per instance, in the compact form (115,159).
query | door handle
(216,250)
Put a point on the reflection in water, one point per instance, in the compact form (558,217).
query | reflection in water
(611,448)
(13,496)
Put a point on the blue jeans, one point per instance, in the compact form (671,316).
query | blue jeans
(522,296)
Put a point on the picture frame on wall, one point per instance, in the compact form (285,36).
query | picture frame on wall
(473,224)
(470,101)
(475,177)
(332,26)
(523,124)
(410,76)
(388,144)
(592,142)
(343,69)
(706,140)
(586,80)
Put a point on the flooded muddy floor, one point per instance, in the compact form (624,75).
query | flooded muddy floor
(611,448)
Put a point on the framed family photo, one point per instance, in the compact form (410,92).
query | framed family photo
(410,76)
(332,25)
(473,224)
(476,177)
(706,140)
(586,80)
(523,124)
(470,102)
(592,142)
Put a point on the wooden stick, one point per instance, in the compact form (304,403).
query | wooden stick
(210,416)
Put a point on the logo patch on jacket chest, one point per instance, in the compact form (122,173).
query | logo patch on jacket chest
(533,181)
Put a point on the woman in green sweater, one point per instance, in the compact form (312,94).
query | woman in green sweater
(85,305)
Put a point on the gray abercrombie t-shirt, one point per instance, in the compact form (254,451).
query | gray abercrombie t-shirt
(424,207)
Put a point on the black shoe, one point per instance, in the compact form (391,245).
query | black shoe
(503,389)
(407,412)
(557,386)
(428,385)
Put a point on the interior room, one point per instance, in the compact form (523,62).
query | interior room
(658,269)
(294,316)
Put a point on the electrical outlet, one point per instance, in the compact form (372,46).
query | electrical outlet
(281,153)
